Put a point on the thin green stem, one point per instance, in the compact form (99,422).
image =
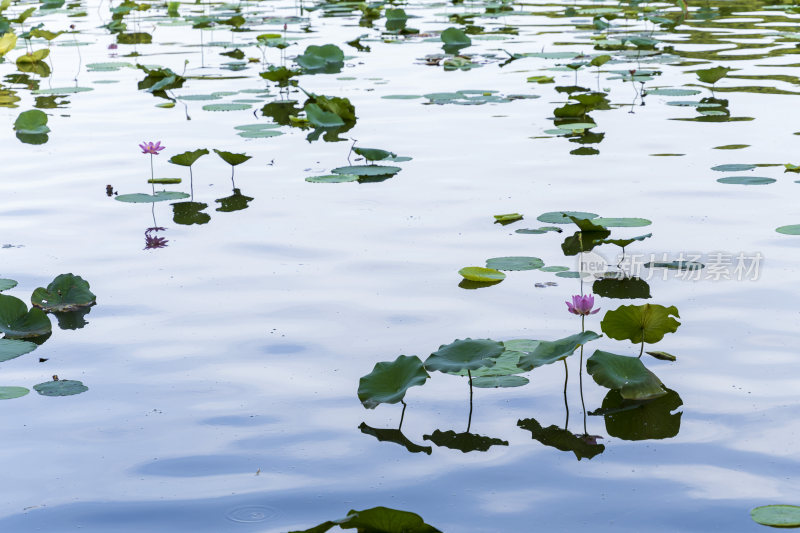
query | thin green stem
(469,421)
(641,350)
(402,415)
(566,380)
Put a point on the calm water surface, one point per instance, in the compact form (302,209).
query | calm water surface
(223,368)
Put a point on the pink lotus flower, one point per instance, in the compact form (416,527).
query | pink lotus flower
(151,148)
(582,305)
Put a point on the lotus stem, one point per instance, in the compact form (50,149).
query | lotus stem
(402,415)
(152,175)
(469,421)
(580,381)
(566,380)
(641,350)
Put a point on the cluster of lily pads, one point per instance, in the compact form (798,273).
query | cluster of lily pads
(67,297)
(376,520)
(369,173)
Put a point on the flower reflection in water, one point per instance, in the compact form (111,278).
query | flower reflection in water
(154,241)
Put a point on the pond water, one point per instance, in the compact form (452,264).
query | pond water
(234,322)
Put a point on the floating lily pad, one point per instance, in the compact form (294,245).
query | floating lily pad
(621,222)
(676,265)
(6,284)
(374,154)
(548,352)
(466,354)
(489,382)
(389,381)
(66,292)
(16,321)
(507,218)
(746,180)
(626,374)
(332,178)
(9,393)
(165,181)
(554,268)
(11,348)
(514,263)
(33,122)
(640,323)
(226,107)
(143,198)
(63,90)
(571,274)
(487,275)
(784,516)
(562,217)
(731,147)
(62,387)
(673,92)
(664,356)
(789,230)
(539,231)
(367,170)
(733,167)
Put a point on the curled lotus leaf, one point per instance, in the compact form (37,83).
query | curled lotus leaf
(16,321)
(626,374)
(389,381)
(187,159)
(465,354)
(66,292)
(231,158)
(547,352)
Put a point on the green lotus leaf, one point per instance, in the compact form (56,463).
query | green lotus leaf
(17,322)
(187,159)
(673,92)
(165,181)
(784,516)
(6,284)
(377,520)
(554,268)
(231,158)
(641,419)
(226,107)
(584,240)
(539,231)
(32,122)
(62,90)
(332,178)
(374,154)
(712,75)
(746,180)
(328,58)
(599,61)
(608,222)
(281,75)
(547,352)
(570,274)
(66,292)
(583,446)
(394,435)
(563,217)
(11,348)
(793,229)
(9,393)
(664,356)
(732,147)
(622,243)
(367,170)
(466,354)
(60,387)
(322,119)
(464,442)
(514,263)
(626,374)
(506,362)
(143,198)
(640,323)
(489,382)
(453,37)
(33,57)
(481,274)
(733,167)
(389,381)
(507,218)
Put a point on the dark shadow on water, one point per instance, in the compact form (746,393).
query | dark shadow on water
(394,435)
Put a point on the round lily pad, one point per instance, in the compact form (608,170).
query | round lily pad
(367,170)
(12,348)
(226,107)
(789,230)
(332,178)
(562,217)
(554,269)
(64,387)
(568,274)
(9,393)
(514,263)
(746,180)
(672,92)
(474,273)
(159,196)
(6,284)
(777,515)
(734,167)
(621,222)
